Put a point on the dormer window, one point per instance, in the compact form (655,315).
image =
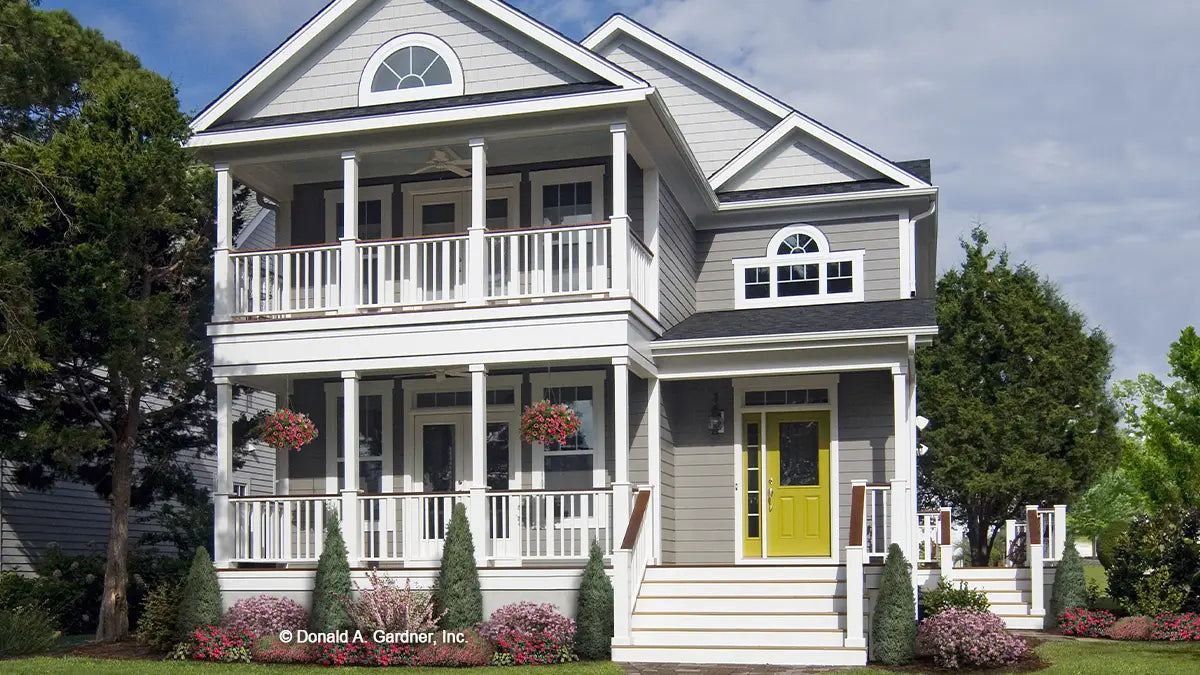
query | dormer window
(410,67)
(798,269)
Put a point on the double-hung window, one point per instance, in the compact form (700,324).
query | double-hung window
(577,462)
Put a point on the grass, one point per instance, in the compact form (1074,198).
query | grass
(1091,657)
(1094,572)
(50,665)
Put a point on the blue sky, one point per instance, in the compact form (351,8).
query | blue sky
(1067,128)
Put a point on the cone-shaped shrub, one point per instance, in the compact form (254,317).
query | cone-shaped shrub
(200,601)
(894,625)
(1070,586)
(594,613)
(457,598)
(331,586)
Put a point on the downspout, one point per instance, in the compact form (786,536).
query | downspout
(912,244)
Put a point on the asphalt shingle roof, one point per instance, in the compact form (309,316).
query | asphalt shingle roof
(912,313)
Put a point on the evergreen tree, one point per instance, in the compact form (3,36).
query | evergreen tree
(200,601)
(331,585)
(457,598)
(894,624)
(1070,587)
(594,612)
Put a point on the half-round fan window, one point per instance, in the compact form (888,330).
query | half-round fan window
(798,243)
(409,67)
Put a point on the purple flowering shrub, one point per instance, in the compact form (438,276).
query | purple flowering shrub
(387,606)
(1131,628)
(968,638)
(527,619)
(1082,622)
(265,615)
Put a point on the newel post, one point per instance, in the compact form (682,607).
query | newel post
(1034,554)
(946,551)
(855,637)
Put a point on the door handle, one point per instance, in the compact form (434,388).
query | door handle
(770,494)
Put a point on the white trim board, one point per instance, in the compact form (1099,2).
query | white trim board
(339,12)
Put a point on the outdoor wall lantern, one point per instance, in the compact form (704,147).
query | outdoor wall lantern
(716,418)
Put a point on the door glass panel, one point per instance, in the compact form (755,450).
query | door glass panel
(753,481)
(370,219)
(370,443)
(497,456)
(568,472)
(799,454)
(437,218)
(437,457)
(567,203)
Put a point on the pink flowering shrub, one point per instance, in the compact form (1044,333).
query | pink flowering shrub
(527,618)
(968,638)
(1082,622)
(1176,627)
(365,653)
(546,422)
(472,652)
(1131,628)
(386,606)
(288,429)
(265,615)
(214,643)
(270,650)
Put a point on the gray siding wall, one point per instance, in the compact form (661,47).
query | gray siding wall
(797,163)
(716,250)
(866,439)
(639,432)
(491,59)
(677,264)
(701,496)
(715,129)
(667,480)
(73,517)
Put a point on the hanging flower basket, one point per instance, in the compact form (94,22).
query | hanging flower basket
(545,422)
(288,429)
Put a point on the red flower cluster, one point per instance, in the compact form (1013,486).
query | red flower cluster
(1176,627)
(214,643)
(1082,622)
(364,653)
(546,422)
(539,649)
(288,429)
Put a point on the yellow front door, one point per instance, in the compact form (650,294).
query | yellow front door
(797,486)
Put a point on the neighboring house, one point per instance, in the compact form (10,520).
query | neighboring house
(475,213)
(74,518)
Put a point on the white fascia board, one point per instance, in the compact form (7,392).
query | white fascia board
(672,346)
(677,138)
(798,122)
(619,23)
(219,139)
(896,193)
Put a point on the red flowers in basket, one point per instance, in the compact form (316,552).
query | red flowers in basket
(288,429)
(545,422)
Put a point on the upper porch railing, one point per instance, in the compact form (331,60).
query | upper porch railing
(420,272)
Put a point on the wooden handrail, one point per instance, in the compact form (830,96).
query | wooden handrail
(1033,527)
(858,498)
(640,503)
(945,528)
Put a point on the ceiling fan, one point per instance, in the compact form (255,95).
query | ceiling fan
(445,159)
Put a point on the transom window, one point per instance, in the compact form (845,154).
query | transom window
(798,269)
(410,67)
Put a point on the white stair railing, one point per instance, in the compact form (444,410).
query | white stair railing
(640,262)
(877,521)
(630,559)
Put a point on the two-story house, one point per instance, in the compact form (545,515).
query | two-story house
(475,213)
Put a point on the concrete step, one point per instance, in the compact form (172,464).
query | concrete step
(727,637)
(737,604)
(746,572)
(748,589)
(782,656)
(714,620)
(1007,597)
(1025,622)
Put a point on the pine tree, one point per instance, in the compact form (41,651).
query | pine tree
(331,585)
(893,624)
(594,612)
(201,598)
(457,598)
(1070,587)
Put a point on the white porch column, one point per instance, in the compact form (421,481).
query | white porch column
(650,207)
(222,277)
(349,239)
(654,451)
(478,504)
(903,509)
(620,214)
(476,245)
(1034,555)
(622,494)
(223,540)
(351,526)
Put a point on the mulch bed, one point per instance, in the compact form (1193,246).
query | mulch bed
(1032,664)
(128,650)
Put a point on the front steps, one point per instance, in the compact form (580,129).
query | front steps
(793,615)
(1008,592)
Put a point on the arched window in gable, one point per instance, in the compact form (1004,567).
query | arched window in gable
(410,67)
(798,269)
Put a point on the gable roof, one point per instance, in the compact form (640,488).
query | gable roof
(338,12)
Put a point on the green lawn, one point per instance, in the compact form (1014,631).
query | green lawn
(1095,572)
(1103,657)
(50,665)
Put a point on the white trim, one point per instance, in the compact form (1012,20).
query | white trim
(595,379)
(743,340)
(458,192)
(774,262)
(366,193)
(576,174)
(333,391)
(464,113)
(249,228)
(827,199)
(455,87)
(623,24)
(335,14)
(414,480)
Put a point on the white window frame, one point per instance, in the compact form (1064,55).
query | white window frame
(458,191)
(413,417)
(334,391)
(774,262)
(366,193)
(455,87)
(539,382)
(578,174)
